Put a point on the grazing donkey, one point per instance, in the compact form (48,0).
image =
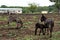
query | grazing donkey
(47,26)
(17,20)
(19,23)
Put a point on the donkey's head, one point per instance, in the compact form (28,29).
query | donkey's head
(43,18)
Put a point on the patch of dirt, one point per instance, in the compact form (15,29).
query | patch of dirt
(20,32)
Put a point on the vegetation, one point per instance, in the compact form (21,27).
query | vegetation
(26,32)
(3,6)
(57,4)
(33,8)
(32,37)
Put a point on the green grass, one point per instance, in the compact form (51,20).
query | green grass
(3,18)
(28,23)
(56,36)
(35,17)
(13,24)
(57,22)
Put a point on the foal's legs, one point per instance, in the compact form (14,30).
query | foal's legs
(36,31)
(40,31)
(43,31)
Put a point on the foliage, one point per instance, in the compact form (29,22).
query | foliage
(57,4)
(52,8)
(33,7)
(3,6)
(25,10)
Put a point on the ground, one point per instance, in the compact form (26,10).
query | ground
(27,31)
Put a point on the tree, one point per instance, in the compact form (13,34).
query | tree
(25,10)
(51,8)
(57,4)
(3,6)
(33,7)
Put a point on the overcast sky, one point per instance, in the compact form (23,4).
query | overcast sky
(25,2)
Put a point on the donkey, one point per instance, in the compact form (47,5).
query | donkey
(41,27)
(48,26)
(49,23)
(18,21)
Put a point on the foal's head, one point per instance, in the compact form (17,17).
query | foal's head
(43,18)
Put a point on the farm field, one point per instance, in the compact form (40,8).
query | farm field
(28,29)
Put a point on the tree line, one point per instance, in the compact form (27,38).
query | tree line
(34,8)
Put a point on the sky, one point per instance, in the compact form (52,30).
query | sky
(25,2)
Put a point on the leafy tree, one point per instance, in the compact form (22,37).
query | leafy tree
(39,9)
(25,10)
(3,6)
(57,4)
(51,8)
(33,7)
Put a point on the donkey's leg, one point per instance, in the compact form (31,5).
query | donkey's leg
(40,32)
(51,29)
(17,24)
(36,31)
(8,23)
(47,31)
(43,31)
(21,25)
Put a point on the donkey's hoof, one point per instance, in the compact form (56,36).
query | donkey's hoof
(43,33)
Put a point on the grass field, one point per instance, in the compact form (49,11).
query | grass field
(27,31)
(26,34)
